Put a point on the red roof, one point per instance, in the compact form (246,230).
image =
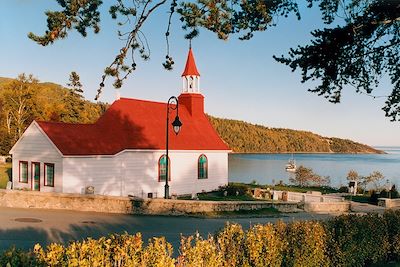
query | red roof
(133,124)
(190,68)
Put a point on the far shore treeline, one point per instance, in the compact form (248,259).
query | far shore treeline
(25,99)
(251,138)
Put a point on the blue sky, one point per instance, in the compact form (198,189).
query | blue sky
(240,80)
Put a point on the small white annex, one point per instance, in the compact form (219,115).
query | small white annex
(123,153)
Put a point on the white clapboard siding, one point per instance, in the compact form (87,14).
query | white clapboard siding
(141,173)
(136,173)
(103,173)
(34,146)
(184,172)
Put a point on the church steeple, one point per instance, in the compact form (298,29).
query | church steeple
(191,97)
(191,76)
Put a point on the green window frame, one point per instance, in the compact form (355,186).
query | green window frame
(49,174)
(162,168)
(202,167)
(23,172)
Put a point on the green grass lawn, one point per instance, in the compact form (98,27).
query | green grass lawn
(216,196)
(5,173)
(294,188)
(245,188)
(267,212)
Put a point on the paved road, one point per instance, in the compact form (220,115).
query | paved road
(26,227)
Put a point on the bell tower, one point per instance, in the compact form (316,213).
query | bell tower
(190,76)
(191,96)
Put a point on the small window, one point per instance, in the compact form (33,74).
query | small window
(23,172)
(203,167)
(49,174)
(162,169)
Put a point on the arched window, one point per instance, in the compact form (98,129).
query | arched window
(203,167)
(162,168)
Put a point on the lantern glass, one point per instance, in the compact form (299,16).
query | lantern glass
(177,124)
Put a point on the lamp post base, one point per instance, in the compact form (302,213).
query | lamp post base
(166,191)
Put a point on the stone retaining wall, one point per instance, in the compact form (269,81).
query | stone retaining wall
(389,203)
(126,205)
(327,207)
(307,197)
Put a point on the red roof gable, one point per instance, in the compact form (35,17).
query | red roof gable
(190,68)
(133,124)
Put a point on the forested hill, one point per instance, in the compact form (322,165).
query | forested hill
(246,137)
(23,100)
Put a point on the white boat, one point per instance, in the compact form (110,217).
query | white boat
(291,165)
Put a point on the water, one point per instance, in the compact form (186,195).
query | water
(269,168)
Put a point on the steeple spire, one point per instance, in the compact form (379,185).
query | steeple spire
(190,75)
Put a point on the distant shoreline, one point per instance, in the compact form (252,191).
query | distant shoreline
(288,153)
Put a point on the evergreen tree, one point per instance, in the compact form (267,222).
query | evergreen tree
(75,84)
(360,43)
(74,106)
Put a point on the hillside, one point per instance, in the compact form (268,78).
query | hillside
(53,102)
(249,138)
(23,100)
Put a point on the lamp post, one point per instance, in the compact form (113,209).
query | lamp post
(176,124)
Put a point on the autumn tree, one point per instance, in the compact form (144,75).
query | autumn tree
(17,104)
(352,175)
(306,177)
(359,46)
(24,99)
(375,178)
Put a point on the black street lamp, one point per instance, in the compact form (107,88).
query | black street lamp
(176,124)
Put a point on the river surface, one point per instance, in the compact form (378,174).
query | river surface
(270,168)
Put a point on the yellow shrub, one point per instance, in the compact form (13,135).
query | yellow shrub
(158,253)
(204,252)
(264,246)
(230,242)
(307,245)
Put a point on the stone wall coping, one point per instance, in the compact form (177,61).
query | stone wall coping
(327,207)
(102,197)
(389,202)
(129,205)
(65,195)
(308,194)
(256,202)
(327,203)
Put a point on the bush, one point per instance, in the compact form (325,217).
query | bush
(393,192)
(373,199)
(157,253)
(231,244)
(357,240)
(384,194)
(114,250)
(235,189)
(347,240)
(265,245)
(18,258)
(307,245)
(392,219)
(343,189)
(203,252)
